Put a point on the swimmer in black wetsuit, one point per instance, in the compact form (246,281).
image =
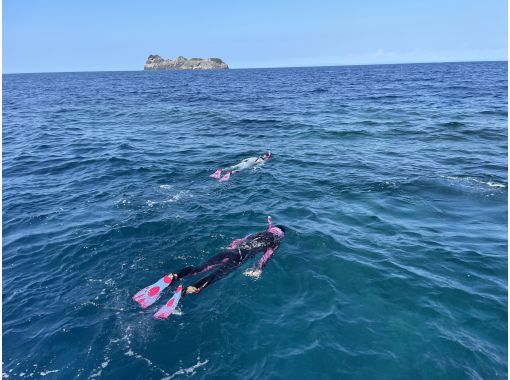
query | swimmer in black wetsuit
(235,255)
(229,259)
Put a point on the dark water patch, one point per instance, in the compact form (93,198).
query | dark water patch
(319,134)
(452,124)
(383,97)
(494,113)
(246,121)
(319,90)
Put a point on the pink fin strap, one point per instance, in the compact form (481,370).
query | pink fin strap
(208,268)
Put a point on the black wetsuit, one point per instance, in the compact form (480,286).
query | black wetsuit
(231,258)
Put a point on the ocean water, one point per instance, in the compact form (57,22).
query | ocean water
(391,180)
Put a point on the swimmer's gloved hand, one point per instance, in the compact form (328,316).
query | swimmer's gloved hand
(253,272)
(192,290)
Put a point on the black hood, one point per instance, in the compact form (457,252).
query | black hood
(280,227)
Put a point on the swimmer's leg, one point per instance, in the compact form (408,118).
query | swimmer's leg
(217,260)
(167,309)
(234,168)
(223,271)
(150,294)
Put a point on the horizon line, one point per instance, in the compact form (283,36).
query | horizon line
(263,68)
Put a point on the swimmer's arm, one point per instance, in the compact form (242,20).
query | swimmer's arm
(258,162)
(265,258)
(257,270)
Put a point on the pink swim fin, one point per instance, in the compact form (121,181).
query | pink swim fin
(225,177)
(165,311)
(216,174)
(150,294)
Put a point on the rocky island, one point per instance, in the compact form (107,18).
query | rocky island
(155,62)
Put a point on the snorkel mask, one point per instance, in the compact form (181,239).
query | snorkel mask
(277,230)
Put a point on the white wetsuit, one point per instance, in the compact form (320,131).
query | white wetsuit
(247,163)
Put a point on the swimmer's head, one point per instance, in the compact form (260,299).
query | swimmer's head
(278,230)
(267,155)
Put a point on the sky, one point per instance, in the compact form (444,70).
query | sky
(93,35)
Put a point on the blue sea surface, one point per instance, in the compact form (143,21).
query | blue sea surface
(391,181)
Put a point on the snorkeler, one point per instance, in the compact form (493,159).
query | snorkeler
(226,261)
(247,163)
